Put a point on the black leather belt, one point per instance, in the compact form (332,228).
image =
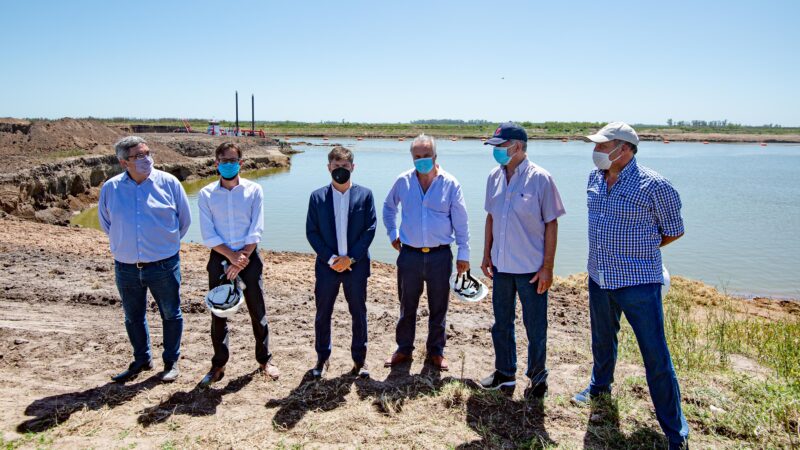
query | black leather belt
(426,249)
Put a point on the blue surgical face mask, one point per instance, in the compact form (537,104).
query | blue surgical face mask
(144,165)
(501,155)
(228,170)
(423,165)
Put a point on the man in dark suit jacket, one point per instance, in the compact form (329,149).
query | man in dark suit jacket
(340,227)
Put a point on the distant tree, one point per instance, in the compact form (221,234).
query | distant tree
(669,122)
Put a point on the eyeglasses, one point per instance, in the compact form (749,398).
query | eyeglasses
(141,155)
(228,160)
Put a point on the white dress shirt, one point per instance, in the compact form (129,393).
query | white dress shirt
(232,217)
(341,207)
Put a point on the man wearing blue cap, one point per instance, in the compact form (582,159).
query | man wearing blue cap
(633,212)
(523,206)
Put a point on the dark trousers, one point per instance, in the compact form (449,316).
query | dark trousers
(254,297)
(414,271)
(326,288)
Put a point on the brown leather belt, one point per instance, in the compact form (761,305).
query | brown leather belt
(426,249)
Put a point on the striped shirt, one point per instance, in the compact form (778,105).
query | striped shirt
(626,225)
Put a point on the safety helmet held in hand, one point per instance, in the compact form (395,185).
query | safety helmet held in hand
(225,299)
(467,288)
(665,284)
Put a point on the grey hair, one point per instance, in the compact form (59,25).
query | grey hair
(424,139)
(124,146)
(524,144)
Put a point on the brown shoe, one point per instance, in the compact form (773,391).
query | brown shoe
(440,363)
(270,370)
(397,358)
(213,375)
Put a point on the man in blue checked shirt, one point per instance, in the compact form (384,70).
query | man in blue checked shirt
(433,210)
(633,212)
(145,213)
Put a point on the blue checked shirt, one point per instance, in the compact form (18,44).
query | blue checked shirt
(626,225)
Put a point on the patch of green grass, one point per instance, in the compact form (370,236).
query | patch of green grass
(38,440)
(719,401)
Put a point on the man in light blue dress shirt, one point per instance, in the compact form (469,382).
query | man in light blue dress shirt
(145,213)
(433,216)
(523,206)
(231,223)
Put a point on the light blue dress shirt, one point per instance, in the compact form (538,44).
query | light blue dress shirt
(429,219)
(144,222)
(520,209)
(232,217)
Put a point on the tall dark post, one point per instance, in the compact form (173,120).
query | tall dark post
(253,114)
(237,113)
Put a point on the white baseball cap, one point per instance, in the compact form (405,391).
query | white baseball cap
(615,130)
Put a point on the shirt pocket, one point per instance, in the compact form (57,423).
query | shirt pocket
(525,204)
(438,205)
(594,199)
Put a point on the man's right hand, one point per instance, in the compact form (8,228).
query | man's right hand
(396,244)
(486,266)
(239,259)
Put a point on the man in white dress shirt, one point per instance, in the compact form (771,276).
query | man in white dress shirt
(231,222)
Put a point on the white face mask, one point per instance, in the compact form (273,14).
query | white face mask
(602,160)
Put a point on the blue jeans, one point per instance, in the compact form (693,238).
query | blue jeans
(642,307)
(163,278)
(505,288)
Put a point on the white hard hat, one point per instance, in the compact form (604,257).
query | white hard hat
(467,288)
(665,284)
(224,300)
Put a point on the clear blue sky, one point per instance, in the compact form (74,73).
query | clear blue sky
(376,61)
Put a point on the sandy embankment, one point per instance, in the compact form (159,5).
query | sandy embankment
(54,168)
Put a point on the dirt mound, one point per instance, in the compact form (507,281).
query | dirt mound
(42,137)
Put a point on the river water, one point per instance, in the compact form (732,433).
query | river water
(741,203)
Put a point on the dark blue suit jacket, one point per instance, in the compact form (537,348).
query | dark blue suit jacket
(361,223)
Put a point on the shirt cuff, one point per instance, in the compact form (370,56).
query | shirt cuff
(252,239)
(333,257)
(213,242)
(672,228)
(463,254)
(394,235)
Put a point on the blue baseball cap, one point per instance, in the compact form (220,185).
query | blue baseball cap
(505,132)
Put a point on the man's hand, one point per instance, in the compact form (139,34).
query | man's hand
(341,263)
(396,244)
(462,266)
(239,259)
(545,278)
(232,272)
(486,266)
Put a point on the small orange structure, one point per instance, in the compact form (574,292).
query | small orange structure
(763,144)
(666,141)
(705,142)
(359,139)
(401,139)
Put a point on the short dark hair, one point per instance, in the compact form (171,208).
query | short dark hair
(340,153)
(225,146)
(631,145)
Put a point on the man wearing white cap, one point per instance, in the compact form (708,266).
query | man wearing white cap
(633,212)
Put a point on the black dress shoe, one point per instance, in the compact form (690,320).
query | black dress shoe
(170,372)
(132,372)
(360,370)
(537,391)
(319,370)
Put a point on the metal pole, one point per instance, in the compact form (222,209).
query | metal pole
(237,113)
(253,114)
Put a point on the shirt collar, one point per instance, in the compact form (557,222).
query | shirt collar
(630,167)
(523,166)
(127,177)
(336,191)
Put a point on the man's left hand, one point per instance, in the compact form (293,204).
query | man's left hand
(462,266)
(232,272)
(545,279)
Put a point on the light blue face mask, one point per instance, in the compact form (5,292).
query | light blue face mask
(228,170)
(501,155)
(423,165)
